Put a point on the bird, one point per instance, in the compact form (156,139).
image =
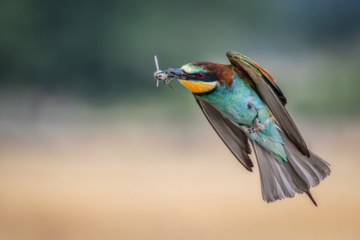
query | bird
(245,106)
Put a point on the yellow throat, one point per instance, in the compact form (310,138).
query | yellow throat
(198,87)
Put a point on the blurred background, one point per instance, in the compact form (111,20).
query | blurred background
(91,149)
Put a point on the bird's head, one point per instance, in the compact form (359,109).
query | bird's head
(203,77)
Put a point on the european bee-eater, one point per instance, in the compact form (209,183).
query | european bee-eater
(242,101)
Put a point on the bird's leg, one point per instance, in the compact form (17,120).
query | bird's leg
(256,127)
(247,129)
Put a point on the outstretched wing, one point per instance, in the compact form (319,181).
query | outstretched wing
(272,96)
(229,132)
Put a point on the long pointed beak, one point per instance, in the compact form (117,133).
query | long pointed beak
(177,73)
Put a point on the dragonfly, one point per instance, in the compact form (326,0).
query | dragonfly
(165,76)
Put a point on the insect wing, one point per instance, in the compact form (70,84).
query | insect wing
(157,70)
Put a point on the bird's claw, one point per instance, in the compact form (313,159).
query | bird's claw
(256,127)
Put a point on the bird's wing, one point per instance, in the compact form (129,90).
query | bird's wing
(272,96)
(229,132)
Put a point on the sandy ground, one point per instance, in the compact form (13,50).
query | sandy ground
(133,182)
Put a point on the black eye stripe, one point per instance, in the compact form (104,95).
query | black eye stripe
(207,77)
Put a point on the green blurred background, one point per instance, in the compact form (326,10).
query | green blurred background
(91,149)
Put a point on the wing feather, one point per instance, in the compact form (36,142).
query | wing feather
(229,132)
(272,96)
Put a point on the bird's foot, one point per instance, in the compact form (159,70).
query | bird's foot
(256,127)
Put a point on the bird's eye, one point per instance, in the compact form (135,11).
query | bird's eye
(200,75)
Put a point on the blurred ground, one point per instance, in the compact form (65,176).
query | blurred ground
(74,173)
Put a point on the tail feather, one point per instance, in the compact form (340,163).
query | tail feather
(312,170)
(281,180)
(276,182)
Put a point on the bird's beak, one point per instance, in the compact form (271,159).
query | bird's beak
(178,73)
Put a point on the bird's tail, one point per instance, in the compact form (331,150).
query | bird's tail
(281,180)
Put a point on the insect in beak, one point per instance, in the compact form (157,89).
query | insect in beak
(162,75)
